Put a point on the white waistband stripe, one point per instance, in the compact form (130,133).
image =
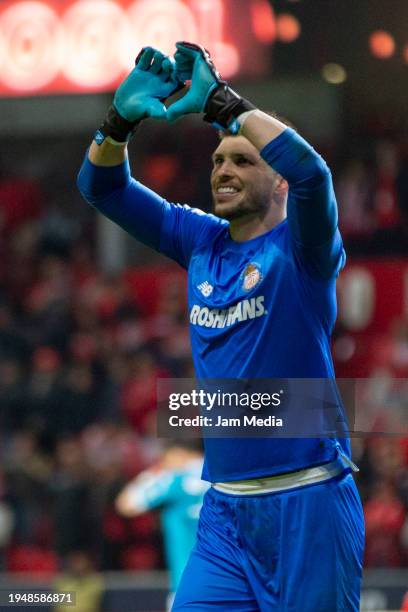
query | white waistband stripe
(282,482)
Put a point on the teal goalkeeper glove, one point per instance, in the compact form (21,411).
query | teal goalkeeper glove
(208,92)
(141,95)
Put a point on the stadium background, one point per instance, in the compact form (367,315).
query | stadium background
(89,319)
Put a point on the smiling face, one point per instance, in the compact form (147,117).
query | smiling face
(242,183)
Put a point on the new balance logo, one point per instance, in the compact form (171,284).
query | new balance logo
(205,288)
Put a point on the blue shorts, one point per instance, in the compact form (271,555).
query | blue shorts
(292,551)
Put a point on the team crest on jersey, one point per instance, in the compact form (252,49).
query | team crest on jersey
(251,276)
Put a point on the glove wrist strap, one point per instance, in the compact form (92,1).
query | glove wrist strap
(223,108)
(114,126)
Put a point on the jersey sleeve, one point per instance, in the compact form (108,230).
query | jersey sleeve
(171,229)
(312,208)
(151,490)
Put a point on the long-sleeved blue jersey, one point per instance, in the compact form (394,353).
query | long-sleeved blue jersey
(264,308)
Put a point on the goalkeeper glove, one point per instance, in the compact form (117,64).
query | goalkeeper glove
(140,95)
(208,92)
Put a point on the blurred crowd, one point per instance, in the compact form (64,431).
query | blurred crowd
(79,359)
(80,353)
(372,193)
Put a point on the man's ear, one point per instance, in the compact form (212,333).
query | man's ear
(282,186)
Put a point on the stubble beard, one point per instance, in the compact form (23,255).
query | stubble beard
(243,208)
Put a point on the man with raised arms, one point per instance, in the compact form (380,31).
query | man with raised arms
(281,527)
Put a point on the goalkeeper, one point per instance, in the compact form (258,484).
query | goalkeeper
(281,527)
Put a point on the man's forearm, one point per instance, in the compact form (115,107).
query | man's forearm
(107,154)
(260,128)
(139,96)
(312,210)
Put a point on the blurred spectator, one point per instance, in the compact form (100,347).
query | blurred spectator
(81,579)
(386,210)
(27,471)
(44,390)
(21,199)
(46,303)
(12,342)
(354,188)
(168,331)
(402,187)
(6,529)
(13,404)
(399,347)
(138,396)
(70,486)
(174,486)
(384,516)
(78,406)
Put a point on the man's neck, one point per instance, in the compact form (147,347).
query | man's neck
(251,226)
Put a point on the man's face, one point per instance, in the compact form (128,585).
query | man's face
(242,183)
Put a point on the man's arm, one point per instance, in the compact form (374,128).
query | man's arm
(312,209)
(171,229)
(311,206)
(107,154)
(149,490)
(108,186)
(105,181)
(260,128)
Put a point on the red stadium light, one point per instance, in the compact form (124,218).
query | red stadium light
(89,60)
(263,21)
(61,46)
(288,28)
(165,22)
(31,41)
(382,44)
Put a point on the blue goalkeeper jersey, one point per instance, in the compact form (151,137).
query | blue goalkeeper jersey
(263,308)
